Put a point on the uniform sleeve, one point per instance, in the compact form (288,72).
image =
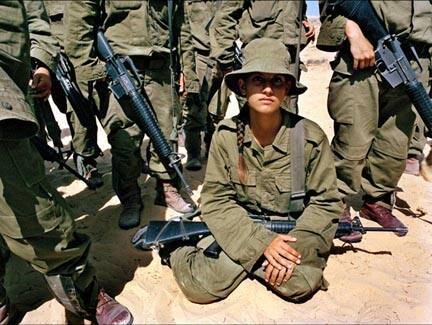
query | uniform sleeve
(188,55)
(44,47)
(316,227)
(241,239)
(81,20)
(223,32)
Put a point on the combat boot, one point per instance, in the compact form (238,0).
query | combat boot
(86,167)
(382,216)
(131,214)
(109,311)
(353,237)
(193,148)
(167,195)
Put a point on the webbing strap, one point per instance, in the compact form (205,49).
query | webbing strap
(298,174)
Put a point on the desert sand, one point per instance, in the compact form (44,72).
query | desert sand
(383,279)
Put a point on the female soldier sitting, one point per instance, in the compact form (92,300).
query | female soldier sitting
(261,162)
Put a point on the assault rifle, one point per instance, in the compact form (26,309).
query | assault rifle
(65,74)
(159,233)
(49,154)
(126,85)
(391,61)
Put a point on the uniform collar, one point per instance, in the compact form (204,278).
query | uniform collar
(281,141)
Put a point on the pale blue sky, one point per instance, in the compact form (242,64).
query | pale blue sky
(312,8)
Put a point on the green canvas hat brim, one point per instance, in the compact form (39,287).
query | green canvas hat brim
(263,66)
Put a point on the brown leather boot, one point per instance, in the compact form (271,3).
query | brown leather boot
(355,236)
(109,311)
(382,216)
(168,195)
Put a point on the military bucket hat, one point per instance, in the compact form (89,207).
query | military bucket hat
(266,55)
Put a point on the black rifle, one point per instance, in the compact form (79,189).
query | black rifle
(159,233)
(65,74)
(391,62)
(128,91)
(49,154)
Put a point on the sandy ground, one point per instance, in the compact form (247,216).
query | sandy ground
(383,279)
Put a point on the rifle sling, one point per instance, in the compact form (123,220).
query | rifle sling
(298,174)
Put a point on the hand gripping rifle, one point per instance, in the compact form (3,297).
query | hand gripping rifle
(65,74)
(159,233)
(128,90)
(391,62)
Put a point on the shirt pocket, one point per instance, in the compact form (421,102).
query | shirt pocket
(263,10)
(245,191)
(282,194)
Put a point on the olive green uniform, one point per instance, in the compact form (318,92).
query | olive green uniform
(84,139)
(373,122)
(200,15)
(248,20)
(267,190)
(138,29)
(35,221)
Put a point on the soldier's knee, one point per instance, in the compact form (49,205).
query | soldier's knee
(304,282)
(182,263)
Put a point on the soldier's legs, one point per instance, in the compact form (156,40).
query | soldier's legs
(157,86)
(125,139)
(195,114)
(37,226)
(352,106)
(205,280)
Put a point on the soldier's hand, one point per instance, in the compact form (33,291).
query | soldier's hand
(361,49)
(279,253)
(182,85)
(310,30)
(276,277)
(41,83)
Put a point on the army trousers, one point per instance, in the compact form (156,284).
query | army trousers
(373,126)
(38,227)
(124,136)
(195,105)
(204,280)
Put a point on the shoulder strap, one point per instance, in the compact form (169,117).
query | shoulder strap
(298,174)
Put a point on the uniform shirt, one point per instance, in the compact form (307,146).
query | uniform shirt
(25,33)
(134,28)
(255,19)
(226,201)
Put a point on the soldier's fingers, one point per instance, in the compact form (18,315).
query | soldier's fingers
(288,238)
(355,64)
(281,276)
(290,257)
(287,248)
(273,276)
(288,273)
(272,260)
(267,272)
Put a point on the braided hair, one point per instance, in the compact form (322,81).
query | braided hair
(241,120)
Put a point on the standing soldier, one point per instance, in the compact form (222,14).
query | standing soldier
(200,14)
(373,122)
(282,20)
(84,139)
(138,29)
(36,223)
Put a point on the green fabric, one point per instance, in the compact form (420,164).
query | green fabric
(36,222)
(225,203)
(373,127)
(249,20)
